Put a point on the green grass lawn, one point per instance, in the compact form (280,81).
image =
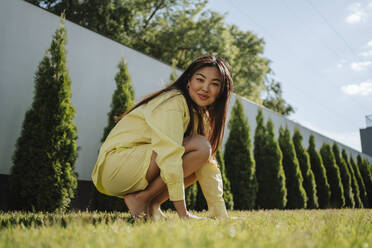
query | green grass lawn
(272,228)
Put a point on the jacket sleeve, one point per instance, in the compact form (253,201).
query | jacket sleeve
(210,180)
(167,122)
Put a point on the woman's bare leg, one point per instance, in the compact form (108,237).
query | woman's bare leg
(197,152)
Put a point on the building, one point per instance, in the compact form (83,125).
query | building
(366,136)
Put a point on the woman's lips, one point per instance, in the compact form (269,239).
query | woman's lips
(203,97)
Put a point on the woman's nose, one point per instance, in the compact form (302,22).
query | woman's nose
(205,87)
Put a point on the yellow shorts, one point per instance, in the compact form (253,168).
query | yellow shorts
(124,170)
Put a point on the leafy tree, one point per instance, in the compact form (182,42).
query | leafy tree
(345,177)
(122,100)
(240,165)
(274,99)
(296,195)
(323,188)
(272,192)
(42,177)
(158,28)
(366,171)
(307,174)
(354,182)
(362,187)
(333,175)
(173,76)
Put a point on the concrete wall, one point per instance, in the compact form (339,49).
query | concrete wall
(26,32)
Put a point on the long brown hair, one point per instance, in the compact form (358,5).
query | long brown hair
(213,115)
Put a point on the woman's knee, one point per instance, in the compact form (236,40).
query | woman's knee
(199,144)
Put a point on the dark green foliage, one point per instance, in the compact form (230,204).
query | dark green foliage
(354,181)
(366,171)
(272,192)
(190,196)
(296,195)
(122,100)
(345,177)
(362,186)
(201,203)
(42,177)
(334,177)
(101,202)
(307,174)
(322,187)
(240,166)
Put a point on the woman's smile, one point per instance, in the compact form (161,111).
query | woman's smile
(203,96)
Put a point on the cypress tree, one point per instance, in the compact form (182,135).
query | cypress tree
(201,204)
(307,174)
(334,177)
(296,195)
(42,177)
(354,182)
(362,186)
(190,196)
(345,177)
(322,187)
(366,171)
(272,192)
(122,100)
(240,165)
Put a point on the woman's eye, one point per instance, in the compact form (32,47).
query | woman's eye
(200,79)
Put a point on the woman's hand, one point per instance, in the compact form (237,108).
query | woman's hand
(183,213)
(194,217)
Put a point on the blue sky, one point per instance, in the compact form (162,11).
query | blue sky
(321,52)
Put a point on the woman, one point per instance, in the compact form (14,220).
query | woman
(168,141)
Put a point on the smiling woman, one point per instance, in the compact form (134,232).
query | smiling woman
(205,86)
(168,141)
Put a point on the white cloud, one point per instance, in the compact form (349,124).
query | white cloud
(357,14)
(369,43)
(370,5)
(360,66)
(366,54)
(364,88)
(341,64)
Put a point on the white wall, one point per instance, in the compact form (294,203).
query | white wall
(25,34)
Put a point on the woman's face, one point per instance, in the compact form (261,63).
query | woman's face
(205,86)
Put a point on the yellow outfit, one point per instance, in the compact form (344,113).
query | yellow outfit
(159,126)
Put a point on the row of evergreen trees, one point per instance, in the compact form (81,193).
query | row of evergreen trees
(283,174)
(279,174)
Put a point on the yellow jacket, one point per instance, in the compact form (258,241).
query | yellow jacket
(162,123)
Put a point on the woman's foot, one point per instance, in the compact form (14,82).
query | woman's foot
(137,206)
